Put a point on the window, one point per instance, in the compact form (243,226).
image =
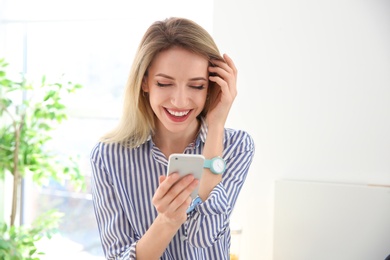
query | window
(93,43)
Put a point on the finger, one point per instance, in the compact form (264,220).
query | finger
(175,196)
(228,75)
(183,207)
(221,69)
(225,72)
(181,212)
(227,84)
(158,195)
(165,185)
(227,64)
(230,62)
(179,186)
(221,82)
(184,197)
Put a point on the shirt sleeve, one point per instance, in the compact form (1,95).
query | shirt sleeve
(210,220)
(117,237)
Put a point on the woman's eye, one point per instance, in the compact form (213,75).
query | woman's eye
(163,85)
(198,87)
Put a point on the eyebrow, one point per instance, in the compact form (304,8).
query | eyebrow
(169,77)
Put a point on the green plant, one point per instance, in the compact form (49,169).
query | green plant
(29,113)
(17,243)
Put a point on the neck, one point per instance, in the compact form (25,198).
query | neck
(169,142)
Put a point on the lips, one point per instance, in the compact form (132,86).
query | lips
(178,115)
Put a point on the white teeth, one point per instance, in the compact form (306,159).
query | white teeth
(177,113)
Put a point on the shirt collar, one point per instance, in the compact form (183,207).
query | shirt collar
(201,136)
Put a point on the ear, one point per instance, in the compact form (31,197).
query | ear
(145,85)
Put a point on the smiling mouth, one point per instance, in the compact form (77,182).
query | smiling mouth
(178,113)
(178,116)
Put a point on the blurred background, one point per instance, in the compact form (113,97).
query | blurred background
(314,92)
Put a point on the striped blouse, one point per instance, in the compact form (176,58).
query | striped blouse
(125,180)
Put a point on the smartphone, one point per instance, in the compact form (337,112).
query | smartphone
(185,164)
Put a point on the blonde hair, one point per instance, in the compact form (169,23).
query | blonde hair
(137,122)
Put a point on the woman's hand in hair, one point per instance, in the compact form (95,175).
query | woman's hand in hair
(225,75)
(172,198)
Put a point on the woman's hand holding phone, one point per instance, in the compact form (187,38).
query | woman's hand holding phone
(172,197)
(177,189)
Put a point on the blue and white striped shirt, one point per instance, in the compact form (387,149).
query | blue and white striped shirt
(125,180)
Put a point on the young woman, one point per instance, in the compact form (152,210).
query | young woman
(177,99)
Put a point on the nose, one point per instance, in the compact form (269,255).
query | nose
(180,97)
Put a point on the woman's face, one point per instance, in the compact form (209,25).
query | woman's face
(177,84)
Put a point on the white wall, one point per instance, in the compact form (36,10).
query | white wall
(328,221)
(314,92)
